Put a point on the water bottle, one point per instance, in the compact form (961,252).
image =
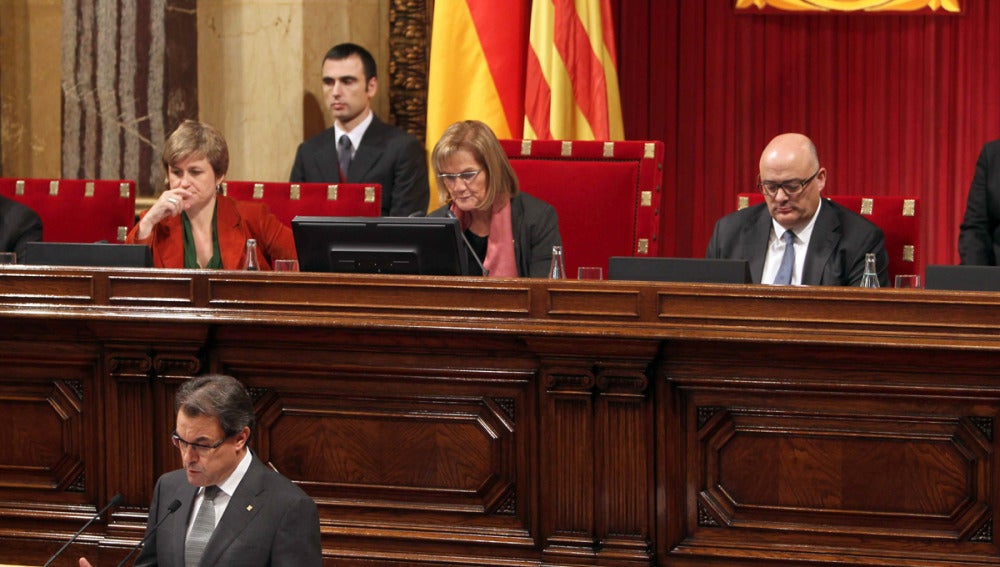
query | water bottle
(557,270)
(870,278)
(250,261)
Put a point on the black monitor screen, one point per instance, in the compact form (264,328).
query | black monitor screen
(87,254)
(380,245)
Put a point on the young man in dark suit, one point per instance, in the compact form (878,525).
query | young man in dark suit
(360,148)
(234,510)
(796,237)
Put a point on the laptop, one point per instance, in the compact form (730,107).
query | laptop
(963,278)
(690,270)
(88,254)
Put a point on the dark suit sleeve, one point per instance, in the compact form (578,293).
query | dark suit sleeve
(31,231)
(543,233)
(975,237)
(712,251)
(872,240)
(411,192)
(298,174)
(297,541)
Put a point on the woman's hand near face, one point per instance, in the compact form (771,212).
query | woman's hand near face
(170,204)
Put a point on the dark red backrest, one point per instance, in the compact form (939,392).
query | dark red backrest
(286,200)
(607,194)
(898,217)
(77,210)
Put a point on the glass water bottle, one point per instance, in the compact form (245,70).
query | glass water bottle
(557,270)
(250,261)
(870,278)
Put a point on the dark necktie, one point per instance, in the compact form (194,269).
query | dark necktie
(201,530)
(344,153)
(784,276)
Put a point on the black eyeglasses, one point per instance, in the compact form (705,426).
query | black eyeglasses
(791,188)
(451,178)
(199,448)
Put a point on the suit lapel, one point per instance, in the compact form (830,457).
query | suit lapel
(171,250)
(178,524)
(242,509)
(369,151)
(829,232)
(232,246)
(325,157)
(755,243)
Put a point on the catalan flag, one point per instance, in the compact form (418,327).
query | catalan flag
(572,78)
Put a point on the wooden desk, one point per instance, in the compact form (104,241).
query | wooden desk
(461,421)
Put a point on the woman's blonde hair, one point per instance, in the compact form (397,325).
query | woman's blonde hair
(476,138)
(193,138)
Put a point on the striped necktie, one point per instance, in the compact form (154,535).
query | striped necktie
(201,530)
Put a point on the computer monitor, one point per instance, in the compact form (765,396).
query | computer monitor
(963,278)
(689,270)
(99,254)
(426,246)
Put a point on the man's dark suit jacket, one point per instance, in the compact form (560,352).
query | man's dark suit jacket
(386,155)
(979,235)
(269,522)
(837,247)
(19,225)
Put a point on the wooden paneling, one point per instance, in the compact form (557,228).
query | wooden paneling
(458,421)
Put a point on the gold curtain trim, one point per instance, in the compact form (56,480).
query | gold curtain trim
(852,5)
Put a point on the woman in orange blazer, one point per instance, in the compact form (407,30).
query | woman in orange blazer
(191,225)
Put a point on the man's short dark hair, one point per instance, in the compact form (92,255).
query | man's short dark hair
(219,396)
(345,50)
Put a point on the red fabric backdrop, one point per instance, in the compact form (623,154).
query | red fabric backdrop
(897,104)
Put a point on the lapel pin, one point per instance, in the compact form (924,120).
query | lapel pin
(249,507)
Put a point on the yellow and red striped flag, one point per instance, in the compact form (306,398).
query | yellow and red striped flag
(478,51)
(572,78)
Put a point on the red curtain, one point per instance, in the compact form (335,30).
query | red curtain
(897,104)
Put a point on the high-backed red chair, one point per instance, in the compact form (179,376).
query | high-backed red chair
(608,194)
(286,200)
(898,217)
(77,210)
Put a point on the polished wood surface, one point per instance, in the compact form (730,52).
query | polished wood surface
(468,421)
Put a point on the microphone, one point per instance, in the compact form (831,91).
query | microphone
(170,510)
(468,245)
(115,501)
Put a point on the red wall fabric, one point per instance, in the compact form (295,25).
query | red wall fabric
(897,105)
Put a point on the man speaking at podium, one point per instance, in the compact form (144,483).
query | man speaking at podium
(231,509)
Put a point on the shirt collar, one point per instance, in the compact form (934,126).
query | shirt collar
(230,484)
(802,235)
(357,133)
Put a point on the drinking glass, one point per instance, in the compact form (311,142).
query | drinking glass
(907,281)
(590,273)
(286,265)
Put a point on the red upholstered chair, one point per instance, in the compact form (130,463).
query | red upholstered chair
(608,194)
(286,200)
(77,210)
(898,217)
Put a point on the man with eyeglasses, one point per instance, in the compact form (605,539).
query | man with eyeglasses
(796,237)
(234,510)
(360,148)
